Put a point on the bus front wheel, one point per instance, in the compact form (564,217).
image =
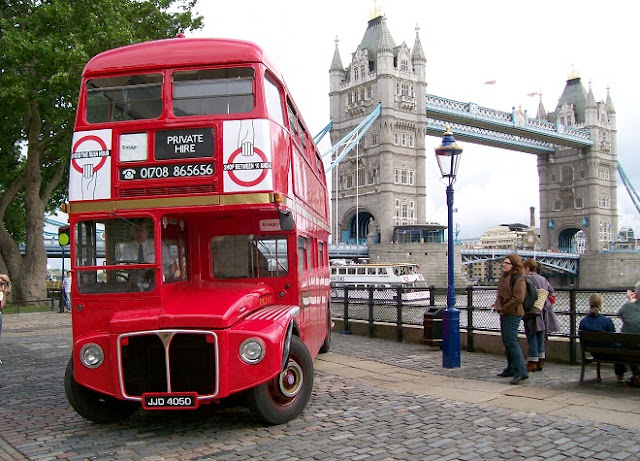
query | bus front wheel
(285,397)
(93,405)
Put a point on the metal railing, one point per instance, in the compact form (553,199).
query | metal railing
(388,305)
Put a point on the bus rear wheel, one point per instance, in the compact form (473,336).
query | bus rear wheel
(285,396)
(92,405)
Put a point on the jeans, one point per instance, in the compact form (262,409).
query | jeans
(536,345)
(509,331)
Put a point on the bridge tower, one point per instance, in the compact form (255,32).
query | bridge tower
(381,183)
(578,187)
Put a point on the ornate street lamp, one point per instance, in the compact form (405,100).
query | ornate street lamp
(448,157)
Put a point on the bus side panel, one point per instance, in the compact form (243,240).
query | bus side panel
(281,167)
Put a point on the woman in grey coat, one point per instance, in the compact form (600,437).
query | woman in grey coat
(536,327)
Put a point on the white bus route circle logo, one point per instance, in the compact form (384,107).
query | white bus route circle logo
(89,154)
(264,165)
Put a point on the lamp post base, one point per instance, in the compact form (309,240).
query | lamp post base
(451,338)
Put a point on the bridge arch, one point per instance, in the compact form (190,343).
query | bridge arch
(356,228)
(567,239)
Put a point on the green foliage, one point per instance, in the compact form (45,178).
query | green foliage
(44,45)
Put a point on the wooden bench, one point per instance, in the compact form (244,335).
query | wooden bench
(598,343)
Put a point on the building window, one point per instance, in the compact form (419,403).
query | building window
(579,202)
(603,173)
(567,175)
(369,177)
(369,92)
(374,138)
(604,201)
(404,65)
(557,205)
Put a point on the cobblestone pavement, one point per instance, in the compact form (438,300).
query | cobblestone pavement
(373,400)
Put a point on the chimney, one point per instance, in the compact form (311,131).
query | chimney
(532,217)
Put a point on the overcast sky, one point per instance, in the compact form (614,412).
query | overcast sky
(526,47)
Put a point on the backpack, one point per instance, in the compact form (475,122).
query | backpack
(531,295)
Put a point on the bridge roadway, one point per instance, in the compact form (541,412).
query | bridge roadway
(373,399)
(508,130)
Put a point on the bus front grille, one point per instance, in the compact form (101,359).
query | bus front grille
(169,361)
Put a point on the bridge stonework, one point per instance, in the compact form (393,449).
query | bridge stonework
(383,181)
(578,186)
(384,177)
(431,257)
(609,270)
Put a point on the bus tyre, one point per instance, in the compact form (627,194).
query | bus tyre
(326,345)
(92,405)
(284,397)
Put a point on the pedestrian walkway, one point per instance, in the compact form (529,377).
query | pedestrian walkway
(373,399)
(554,391)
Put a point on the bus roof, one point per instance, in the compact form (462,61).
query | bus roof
(176,52)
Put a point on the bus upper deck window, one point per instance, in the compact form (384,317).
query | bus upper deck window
(130,97)
(213,91)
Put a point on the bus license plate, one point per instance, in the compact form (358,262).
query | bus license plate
(176,401)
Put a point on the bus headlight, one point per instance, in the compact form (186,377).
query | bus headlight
(252,351)
(91,355)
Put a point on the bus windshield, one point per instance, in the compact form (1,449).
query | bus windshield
(213,91)
(119,255)
(130,97)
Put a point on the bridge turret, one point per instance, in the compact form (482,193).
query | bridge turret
(591,109)
(611,111)
(418,59)
(336,80)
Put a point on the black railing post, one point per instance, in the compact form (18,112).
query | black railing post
(399,312)
(371,312)
(345,318)
(432,295)
(470,347)
(572,325)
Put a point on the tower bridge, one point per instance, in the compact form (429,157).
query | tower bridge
(382,183)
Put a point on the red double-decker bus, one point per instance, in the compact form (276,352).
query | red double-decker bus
(199,217)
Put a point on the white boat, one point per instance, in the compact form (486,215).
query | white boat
(384,278)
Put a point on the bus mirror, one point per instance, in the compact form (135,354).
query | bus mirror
(286,220)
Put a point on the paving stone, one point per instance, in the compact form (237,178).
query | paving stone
(349,417)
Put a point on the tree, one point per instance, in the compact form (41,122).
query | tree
(44,45)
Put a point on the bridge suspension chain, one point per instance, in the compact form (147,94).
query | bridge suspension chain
(635,198)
